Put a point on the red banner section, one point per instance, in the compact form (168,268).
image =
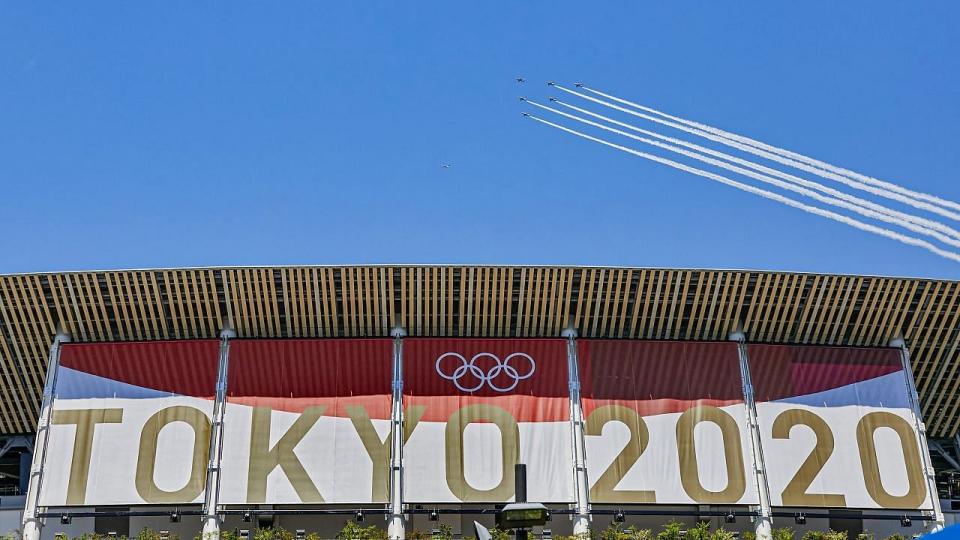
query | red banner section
(785,371)
(156,365)
(474,408)
(837,427)
(665,423)
(131,423)
(657,377)
(527,377)
(291,375)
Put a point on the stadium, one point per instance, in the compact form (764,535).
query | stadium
(209,399)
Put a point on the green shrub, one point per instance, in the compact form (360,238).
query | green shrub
(825,535)
(615,531)
(497,534)
(896,536)
(700,531)
(353,531)
(722,534)
(671,531)
(782,533)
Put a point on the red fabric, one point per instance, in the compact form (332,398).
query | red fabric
(293,374)
(187,368)
(658,377)
(541,397)
(781,371)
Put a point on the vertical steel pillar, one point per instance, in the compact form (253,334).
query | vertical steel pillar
(32,524)
(928,470)
(211,500)
(764,523)
(396,529)
(581,518)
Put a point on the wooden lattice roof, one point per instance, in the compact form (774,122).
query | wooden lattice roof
(480,301)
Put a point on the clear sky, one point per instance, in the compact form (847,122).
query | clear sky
(235,133)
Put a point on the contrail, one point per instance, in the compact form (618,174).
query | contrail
(936,225)
(787,153)
(774,157)
(909,240)
(833,201)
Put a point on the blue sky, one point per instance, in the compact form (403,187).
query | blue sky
(185,134)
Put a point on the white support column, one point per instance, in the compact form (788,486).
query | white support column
(211,500)
(396,528)
(764,523)
(928,469)
(581,518)
(32,524)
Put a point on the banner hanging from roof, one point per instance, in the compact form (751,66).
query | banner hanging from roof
(837,427)
(131,423)
(474,408)
(665,423)
(307,421)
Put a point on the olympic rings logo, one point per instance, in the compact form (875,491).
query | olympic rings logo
(470,369)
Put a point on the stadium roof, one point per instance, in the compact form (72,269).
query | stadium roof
(478,301)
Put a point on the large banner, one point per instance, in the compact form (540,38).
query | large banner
(837,428)
(307,421)
(474,408)
(665,423)
(130,423)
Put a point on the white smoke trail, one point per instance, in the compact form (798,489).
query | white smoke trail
(833,201)
(935,225)
(909,240)
(774,157)
(787,153)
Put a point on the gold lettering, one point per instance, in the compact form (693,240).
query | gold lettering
(732,451)
(86,421)
(795,493)
(264,459)
(509,452)
(379,451)
(604,490)
(147,459)
(866,428)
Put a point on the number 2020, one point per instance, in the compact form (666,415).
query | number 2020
(796,491)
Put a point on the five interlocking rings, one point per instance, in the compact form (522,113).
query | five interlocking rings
(501,367)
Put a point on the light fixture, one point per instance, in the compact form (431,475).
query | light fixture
(245,534)
(175,516)
(300,534)
(731,518)
(112,534)
(359,516)
(619,517)
(435,534)
(164,535)
(434,515)
(247,517)
(547,534)
(549,517)
(905,521)
(800,519)
(65,519)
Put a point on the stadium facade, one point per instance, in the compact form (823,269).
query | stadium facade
(211,398)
